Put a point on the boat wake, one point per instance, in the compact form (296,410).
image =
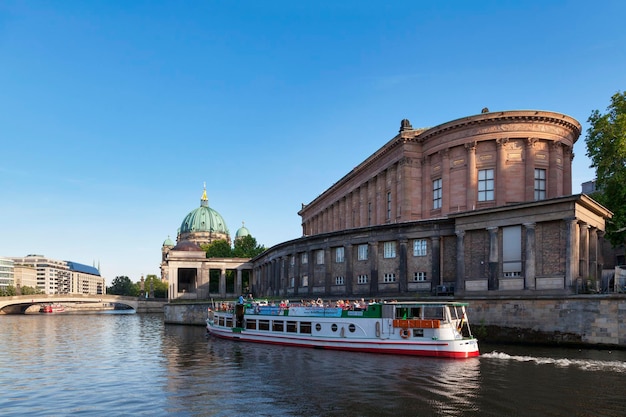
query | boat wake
(583,364)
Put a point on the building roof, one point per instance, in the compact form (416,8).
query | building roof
(242,231)
(203,219)
(86,269)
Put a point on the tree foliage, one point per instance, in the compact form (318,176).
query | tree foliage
(606,147)
(218,249)
(153,284)
(122,285)
(247,247)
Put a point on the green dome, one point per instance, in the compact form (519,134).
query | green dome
(242,231)
(203,219)
(168,242)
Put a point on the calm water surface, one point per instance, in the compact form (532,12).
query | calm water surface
(118,365)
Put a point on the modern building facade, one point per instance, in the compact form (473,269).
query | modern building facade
(481,204)
(63,277)
(6,273)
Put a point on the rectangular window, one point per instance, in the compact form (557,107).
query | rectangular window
(338,280)
(339,254)
(293,260)
(389,277)
(389,250)
(361,279)
(437,194)
(305,281)
(362,255)
(540,184)
(305,258)
(419,276)
(305,327)
(292,327)
(388,206)
(419,247)
(485,185)
(278,326)
(319,255)
(292,282)
(512,251)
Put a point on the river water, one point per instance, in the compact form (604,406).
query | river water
(131,364)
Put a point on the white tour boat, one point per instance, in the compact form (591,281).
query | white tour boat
(439,329)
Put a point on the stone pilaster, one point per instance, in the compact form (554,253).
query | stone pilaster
(530,258)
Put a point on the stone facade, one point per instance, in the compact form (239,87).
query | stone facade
(478,205)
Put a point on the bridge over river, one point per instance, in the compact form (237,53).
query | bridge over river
(24,303)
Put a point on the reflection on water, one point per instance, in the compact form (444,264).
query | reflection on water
(135,365)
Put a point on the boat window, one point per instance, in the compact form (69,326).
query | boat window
(278,326)
(333,327)
(352,327)
(433,312)
(264,324)
(318,327)
(229,322)
(418,332)
(292,327)
(251,324)
(305,327)
(222,321)
(416,313)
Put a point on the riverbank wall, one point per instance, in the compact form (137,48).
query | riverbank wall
(580,320)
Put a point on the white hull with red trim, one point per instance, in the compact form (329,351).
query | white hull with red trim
(409,328)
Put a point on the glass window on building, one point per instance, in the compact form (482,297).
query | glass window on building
(512,251)
(362,253)
(485,185)
(338,280)
(388,205)
(540,184)
(437,193)
(319,255)
(305,258)
(419,247)
(361,279)
(339,254)
(389,249)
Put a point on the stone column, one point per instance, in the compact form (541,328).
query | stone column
(238,283)
(529,262)
(223,282)
(583,254)
(445,181)
(500,170)
(494,258)
(571,252)
(328,276)
(472,181)
(593,254)
(296,272)
(373,260)
(402,267)
(460,261)
(349,268)
(529,163)
(435,242)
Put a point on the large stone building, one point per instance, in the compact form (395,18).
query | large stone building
(187,270)
(479,205)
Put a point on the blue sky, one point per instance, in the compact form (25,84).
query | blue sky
(114,113)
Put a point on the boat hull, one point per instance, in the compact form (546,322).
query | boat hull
(440,349)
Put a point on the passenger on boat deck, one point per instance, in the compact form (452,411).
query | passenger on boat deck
(241,299)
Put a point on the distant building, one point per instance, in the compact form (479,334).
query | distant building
(63,277)
(589,187)
(25,276)
(187,270)
(6,273)
(478,205)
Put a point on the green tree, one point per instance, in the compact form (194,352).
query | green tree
(154,284)
(247,247)
(26,290)
(8,291)
(218,249)
(606,147)
(122,285)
